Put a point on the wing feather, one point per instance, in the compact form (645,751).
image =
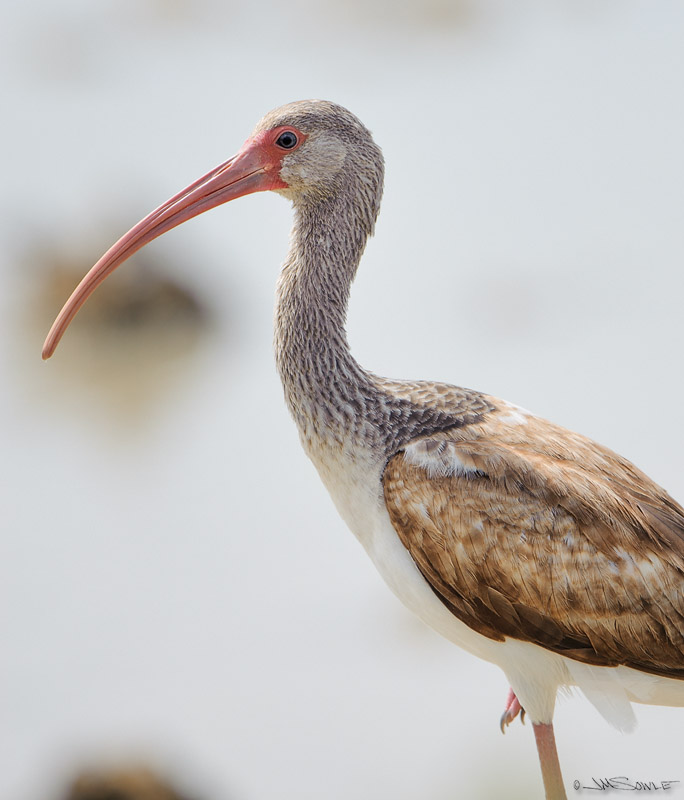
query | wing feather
(526,530)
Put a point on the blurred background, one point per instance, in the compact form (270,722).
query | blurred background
(176,588)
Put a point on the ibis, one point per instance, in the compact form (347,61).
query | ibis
(528,545)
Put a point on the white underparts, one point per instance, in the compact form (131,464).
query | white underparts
(534,673)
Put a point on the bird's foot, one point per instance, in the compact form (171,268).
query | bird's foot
(513,708)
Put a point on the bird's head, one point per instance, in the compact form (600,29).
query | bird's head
(320,150)
(311,151)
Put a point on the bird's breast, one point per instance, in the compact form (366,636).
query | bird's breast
(354,481)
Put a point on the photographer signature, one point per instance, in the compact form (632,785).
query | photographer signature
(623,783)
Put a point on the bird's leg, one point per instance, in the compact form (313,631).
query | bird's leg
(513,708)
(548,760)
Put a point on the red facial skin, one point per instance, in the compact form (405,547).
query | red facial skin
(255,168)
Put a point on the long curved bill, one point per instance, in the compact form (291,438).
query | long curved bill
(246,172)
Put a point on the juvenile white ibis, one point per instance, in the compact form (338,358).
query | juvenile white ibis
(528,545)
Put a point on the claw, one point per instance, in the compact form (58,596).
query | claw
(512,710)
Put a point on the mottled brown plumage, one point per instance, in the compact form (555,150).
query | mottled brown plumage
(547,537)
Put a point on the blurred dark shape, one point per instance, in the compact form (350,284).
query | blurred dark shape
(122,784)
(138,299)
(132,345)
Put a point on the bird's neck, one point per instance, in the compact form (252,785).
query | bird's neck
(326,390)
(334,401)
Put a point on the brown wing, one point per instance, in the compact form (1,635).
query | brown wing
(526,530)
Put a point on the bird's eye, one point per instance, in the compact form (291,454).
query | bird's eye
(287,140)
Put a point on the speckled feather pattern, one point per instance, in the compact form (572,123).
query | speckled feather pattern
(331,397)
(527,530)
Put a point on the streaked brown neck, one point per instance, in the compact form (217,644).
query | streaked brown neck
(326,390)
(334,401)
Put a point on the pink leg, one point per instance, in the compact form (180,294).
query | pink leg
(513,708)
(548,759)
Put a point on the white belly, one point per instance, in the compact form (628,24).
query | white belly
(534,673)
